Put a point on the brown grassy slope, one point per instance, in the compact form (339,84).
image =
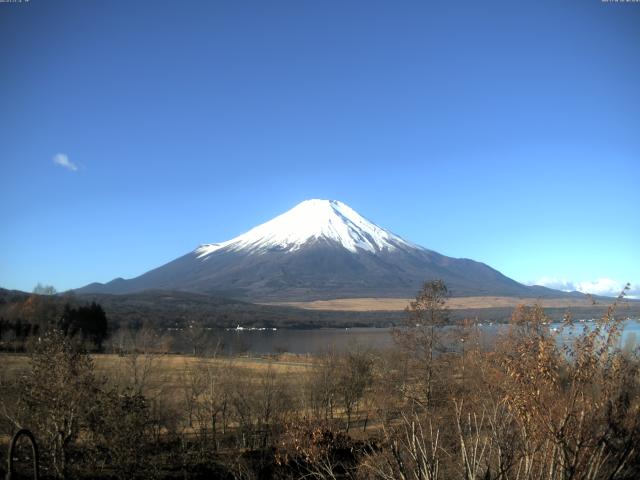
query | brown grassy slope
(456,303)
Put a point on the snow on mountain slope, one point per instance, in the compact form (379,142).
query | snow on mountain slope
(312,220)
(318,250)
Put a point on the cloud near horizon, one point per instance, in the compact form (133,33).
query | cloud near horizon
(602,286)
(62,160)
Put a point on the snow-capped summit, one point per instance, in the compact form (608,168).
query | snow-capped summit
(312,220)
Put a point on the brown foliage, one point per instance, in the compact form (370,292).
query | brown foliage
(535,404)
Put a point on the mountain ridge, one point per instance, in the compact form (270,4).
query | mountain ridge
(319,249)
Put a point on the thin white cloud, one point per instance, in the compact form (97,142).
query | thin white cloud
(607,287)
(556,283)
(601,286)
(63,160)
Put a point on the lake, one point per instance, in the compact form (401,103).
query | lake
(316,341)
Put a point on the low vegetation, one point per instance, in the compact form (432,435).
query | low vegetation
(439,405)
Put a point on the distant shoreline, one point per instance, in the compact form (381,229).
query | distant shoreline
(454,303)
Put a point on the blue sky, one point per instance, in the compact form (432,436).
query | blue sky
(507,132)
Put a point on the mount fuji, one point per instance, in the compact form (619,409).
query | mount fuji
(320,249)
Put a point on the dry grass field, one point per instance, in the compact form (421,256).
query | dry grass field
(13,364)
(459,303)
(164,374)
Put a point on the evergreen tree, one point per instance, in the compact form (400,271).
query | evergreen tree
(90,322)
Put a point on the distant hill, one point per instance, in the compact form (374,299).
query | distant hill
(320,249)
(169,309)
(166,309)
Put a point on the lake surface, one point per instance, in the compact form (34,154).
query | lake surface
(340,339)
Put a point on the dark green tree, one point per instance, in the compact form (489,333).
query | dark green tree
(89,322)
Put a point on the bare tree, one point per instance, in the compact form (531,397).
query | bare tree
(197,336)
(141,350)
(58,394)
(420,336)
(120,433)
(321,387)
(211,397)
(354,377)
(41,289)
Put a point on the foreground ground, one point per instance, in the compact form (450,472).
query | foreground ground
(529,407)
